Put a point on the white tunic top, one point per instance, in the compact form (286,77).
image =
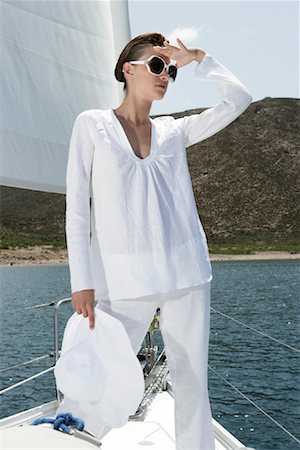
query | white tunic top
(142,234)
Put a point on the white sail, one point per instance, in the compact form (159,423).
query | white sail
(58,59)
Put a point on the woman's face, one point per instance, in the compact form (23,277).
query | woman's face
(151,86)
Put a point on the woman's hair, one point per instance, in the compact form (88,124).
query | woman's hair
(134,49)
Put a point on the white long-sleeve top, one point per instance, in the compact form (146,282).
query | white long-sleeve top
(141,234)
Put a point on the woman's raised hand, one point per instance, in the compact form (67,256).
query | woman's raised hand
(182,55)
(83,302)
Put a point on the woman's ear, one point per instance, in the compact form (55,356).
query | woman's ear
(127,69)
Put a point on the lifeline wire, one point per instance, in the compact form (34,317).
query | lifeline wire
(255,405)
(257,331)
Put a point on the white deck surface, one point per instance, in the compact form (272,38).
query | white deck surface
(156,432)
(40,437)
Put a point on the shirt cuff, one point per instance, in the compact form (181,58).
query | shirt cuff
(204,67)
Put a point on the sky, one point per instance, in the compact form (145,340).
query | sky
(258,41)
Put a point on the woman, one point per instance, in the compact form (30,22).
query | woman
(147,247)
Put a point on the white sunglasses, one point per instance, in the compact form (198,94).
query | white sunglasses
(157,65)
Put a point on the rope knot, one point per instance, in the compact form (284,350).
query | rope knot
(62,422)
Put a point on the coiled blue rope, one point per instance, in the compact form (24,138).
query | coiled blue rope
(62,422)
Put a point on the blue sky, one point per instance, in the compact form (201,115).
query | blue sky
(257,40)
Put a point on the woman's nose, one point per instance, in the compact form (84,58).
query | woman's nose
(165,75)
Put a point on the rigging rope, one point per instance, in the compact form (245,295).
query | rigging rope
(257,331)
(255,405)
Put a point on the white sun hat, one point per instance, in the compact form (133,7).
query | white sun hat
(98,372)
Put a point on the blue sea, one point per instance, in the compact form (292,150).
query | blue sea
(253,379)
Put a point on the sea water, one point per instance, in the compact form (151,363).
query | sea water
(253,379)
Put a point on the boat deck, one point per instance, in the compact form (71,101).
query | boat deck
(152,425)
(156,430)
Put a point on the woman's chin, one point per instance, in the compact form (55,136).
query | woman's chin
(159,95)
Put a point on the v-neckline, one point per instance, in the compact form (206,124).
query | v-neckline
(123,136)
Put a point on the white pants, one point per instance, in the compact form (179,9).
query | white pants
(184,325)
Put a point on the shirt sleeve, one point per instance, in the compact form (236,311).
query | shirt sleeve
(235,99)
(78,178)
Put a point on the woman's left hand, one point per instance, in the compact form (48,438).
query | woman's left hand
(182,55)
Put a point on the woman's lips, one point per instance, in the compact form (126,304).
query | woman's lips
(162,86)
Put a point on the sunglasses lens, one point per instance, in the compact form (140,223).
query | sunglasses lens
(173,72)
(156,65)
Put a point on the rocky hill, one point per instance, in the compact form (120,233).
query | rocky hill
(246,181)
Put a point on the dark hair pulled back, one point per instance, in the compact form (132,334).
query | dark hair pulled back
(134,49)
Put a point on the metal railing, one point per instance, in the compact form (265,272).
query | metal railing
(150,353)
(54,354)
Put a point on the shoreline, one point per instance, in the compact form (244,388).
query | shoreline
(46,255)
(267,255)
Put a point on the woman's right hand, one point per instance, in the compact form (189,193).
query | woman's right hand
(83,302)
